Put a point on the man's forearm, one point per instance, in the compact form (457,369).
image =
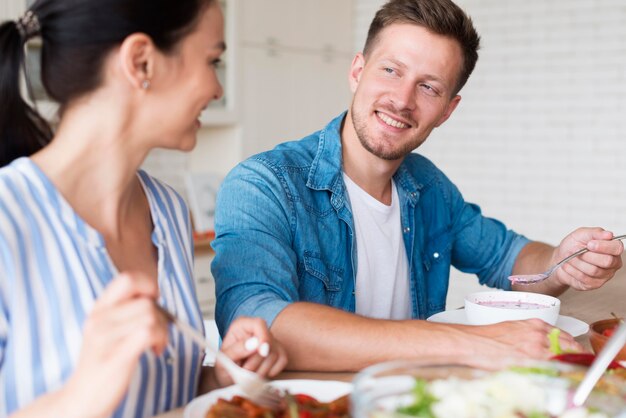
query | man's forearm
(537,257)
(321,338)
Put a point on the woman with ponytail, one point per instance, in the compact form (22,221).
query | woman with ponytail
(89,243)
(22,130)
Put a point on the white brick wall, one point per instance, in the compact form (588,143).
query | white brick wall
(539,137)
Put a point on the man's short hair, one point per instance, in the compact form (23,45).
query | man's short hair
(442,17)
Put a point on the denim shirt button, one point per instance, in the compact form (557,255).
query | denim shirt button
(407,230)
(436,255)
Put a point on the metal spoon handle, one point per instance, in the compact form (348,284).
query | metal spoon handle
(576,254)
(599,365)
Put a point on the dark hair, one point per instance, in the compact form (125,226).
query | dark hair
(442,17)
(77,35)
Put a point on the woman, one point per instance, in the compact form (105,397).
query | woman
(89,244)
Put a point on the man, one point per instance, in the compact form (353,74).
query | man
(343,241)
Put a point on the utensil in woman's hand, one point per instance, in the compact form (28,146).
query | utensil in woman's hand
(536,278)
(256,388)
(602,361)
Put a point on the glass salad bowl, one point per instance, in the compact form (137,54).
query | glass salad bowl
(532,390)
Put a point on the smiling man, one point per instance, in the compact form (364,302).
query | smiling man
(343,241)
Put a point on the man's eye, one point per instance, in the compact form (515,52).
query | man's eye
(428,89)
(388,70)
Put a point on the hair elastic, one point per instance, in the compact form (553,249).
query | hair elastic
(28,25)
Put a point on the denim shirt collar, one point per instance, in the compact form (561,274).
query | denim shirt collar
(326,169)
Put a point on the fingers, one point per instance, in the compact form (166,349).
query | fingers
(526,339)
(249,342)
(127,285)
(244,328)
(593,268)
(281,361)
(133,320)
(568,343)
(125,316)
(585,234)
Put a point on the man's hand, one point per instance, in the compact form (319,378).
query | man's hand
(593,268)
(505,343)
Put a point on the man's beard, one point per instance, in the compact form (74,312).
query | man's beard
(378,149)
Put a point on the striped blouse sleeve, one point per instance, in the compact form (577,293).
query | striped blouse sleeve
(4,308)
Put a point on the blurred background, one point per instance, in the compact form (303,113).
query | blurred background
(537,141)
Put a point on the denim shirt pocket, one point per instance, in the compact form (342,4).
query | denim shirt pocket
(436,260)
(320,282)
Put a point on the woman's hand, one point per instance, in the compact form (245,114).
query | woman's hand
(122,325)
(250,344)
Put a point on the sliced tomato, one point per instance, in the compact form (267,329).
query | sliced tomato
(303,399)
(583,359)
(608,332)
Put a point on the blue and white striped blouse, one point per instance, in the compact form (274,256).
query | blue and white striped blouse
(53,267)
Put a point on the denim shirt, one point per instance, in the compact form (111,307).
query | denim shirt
(285,233)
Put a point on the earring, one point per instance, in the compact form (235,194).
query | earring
(145,84)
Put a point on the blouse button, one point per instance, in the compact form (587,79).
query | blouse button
(436,255)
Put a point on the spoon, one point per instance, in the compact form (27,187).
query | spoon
(536,278)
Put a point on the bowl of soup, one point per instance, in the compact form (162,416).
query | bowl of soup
(483,308)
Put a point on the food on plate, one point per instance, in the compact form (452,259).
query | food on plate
(292,406)
(585,359)
(520,392)
(609,332)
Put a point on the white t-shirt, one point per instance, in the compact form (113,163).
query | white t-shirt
(382,279)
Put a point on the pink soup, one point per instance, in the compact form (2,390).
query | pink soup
(512,304)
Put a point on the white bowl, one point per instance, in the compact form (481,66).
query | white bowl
(483,308)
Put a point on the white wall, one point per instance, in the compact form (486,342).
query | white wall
(539,137)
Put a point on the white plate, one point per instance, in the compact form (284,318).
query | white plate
(322,390)
(572,326)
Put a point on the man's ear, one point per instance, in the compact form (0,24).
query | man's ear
(355,71)
(137,59)
(449,109)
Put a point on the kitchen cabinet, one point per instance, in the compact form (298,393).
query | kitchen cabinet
(289,94)
(304,24)
(294,56)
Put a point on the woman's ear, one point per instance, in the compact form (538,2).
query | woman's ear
(137,59)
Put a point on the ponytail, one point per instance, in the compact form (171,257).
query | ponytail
(76,37)
(22,130)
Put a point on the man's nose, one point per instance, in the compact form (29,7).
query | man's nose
(404,97)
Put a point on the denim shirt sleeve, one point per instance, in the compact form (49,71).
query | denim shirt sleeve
(483,246)
(254,266)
